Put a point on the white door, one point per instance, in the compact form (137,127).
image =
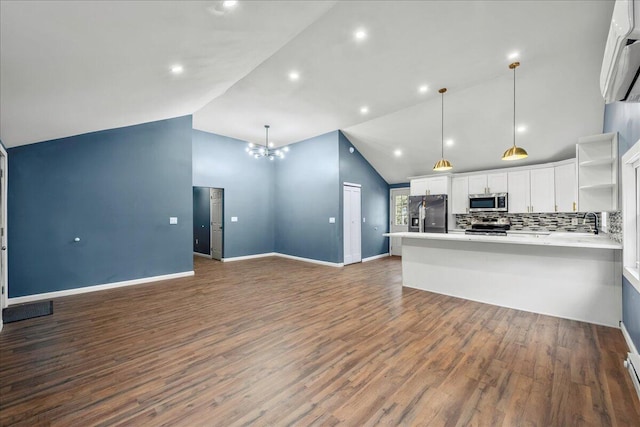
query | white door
(477,184)
(399,218)
(542,190)
(519,192)
(352,225)
(460,195)
(216,222)
(566,188)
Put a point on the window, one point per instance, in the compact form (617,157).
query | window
(631,214)
(401,213)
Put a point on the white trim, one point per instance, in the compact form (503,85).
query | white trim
(371,258)
(242,258)
(94,288)
(632,276)
(627,338)
(313,261)
(351,184)
(3,240)
(202,255)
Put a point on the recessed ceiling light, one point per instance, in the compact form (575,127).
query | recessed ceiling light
(514,55)
(177,69)
(423,89)
(294,75)
(364,110)
(521,128)
(228,4)
(360,34)
(449,142)
(397,153)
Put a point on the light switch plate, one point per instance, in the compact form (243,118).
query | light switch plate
(364,219)
(173,220)
(234,219)
(332,220)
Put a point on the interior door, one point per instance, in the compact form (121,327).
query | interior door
(217,196)
(399,218)
(201,221)
(352,225)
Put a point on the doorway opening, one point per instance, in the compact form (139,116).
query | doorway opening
(208,222)
(399,217)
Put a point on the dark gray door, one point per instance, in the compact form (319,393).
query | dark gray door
(201,221)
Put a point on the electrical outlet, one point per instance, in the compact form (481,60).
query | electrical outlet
(574,221)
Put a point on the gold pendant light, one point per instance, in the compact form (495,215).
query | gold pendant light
(514,153)
(442,164)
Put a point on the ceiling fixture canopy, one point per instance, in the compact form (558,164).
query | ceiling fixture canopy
(266,150)
(442,164)
(514,153)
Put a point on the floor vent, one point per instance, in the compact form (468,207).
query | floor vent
(633,365)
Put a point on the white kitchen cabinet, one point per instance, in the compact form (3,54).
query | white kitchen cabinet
(497,183)
(542,187)
(565,188)
(460,195)
(425,186)
(477,184)
(598,173)
(488,183)
(519,192)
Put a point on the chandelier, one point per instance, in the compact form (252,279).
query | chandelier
(266,150)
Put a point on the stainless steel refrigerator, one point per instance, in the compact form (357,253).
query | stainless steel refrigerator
(435,213)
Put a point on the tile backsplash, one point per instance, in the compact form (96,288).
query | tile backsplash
(546,221)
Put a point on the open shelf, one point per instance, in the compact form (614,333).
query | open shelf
(598,162)
(598,173)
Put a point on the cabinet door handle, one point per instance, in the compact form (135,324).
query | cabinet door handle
(556,208)
(574,206)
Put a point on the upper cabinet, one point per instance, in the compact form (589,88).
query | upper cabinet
(488,183)
(427,186)
(597,157)
(565,188)
(460,194)
(519,200)
(542,185)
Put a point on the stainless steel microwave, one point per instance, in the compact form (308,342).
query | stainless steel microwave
(496,202)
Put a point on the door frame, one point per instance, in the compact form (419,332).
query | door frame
(211,223)
(392,192)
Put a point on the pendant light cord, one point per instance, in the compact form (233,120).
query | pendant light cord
(442,128)
(514,106)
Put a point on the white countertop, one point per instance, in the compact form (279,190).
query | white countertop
(575,240)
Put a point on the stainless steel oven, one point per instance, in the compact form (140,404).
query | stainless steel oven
(496,202)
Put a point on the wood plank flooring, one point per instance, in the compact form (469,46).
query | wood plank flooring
(277,342)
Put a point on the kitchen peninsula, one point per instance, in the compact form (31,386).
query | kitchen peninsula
(570,275)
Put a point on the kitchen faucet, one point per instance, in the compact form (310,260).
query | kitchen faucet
(595,216)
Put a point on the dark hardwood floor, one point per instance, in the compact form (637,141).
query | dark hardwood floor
(278,342)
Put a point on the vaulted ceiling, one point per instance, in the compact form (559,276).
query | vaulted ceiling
(73,67)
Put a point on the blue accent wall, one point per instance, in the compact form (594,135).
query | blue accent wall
(202,220)
(374,193)
(221,162)
(115,190)
(624,118)
(307,195)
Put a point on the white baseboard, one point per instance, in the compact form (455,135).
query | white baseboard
(202,255)
(242,258)
(371,258)
(94,288)
(312,261)
(627,338)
